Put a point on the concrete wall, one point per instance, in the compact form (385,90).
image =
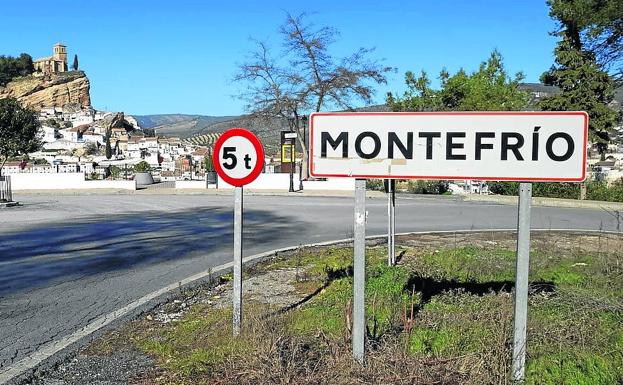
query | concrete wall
(281,182)
(190,184)
(68,181)
(65,181)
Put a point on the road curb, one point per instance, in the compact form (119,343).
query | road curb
(54,351)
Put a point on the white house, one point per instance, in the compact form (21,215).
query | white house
(50,134)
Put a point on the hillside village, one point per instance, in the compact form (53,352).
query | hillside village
(74,140)
(75,137)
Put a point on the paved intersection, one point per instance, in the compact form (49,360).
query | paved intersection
(66,260)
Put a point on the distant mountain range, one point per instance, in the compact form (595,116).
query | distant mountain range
(201,129)
(204,129)
(181,125)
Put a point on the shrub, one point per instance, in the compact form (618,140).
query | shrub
(375,184)
(601,191)
(142,167)
(546,190)
(114,171)
(437,187)
(13,67)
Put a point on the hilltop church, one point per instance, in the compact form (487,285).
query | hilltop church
(53,64)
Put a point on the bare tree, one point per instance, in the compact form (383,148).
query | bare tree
(306,78)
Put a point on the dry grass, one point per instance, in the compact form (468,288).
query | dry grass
(443,316)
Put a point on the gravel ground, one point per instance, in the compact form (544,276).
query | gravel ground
(121,368)
(127,366)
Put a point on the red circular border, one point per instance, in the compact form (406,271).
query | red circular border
(259,150)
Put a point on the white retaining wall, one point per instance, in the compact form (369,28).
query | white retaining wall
(280,182)
(192,184)
(68,181)
(65,181)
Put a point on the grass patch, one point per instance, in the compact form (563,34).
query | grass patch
(441,316)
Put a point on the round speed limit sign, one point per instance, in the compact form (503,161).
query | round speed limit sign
(238,157)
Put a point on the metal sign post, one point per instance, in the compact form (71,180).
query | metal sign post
(359,271)
(521,283)
(237,295)
(391,222)
(238,159)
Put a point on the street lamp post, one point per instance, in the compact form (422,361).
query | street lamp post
(292,122)
(304,120)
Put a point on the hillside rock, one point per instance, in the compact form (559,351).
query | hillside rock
(55,90)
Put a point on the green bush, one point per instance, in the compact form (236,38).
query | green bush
(114,171)
(437,187)
(142,167)
(375,184)
(52,123)
(601,191)
(595,190)
(13,67)
(547,190)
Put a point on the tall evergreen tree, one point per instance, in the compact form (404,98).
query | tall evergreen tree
(75,64)
(584,85)
(108,148)
(595,26)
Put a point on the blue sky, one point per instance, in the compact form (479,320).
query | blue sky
(179,56)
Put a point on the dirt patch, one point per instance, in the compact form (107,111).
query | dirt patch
(540,241)
(274,288)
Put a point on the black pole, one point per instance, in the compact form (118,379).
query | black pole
(304,119)
(291,169)
(301,176)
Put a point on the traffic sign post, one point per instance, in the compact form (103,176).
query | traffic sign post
(237,284)
(359,271)
(521,283)
(497,146)
(238,159)
(390,189)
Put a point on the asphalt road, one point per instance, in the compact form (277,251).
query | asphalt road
(66,260)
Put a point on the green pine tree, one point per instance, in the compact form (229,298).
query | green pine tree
(108,148)
(583,83)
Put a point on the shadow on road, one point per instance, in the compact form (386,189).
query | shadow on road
(67,251)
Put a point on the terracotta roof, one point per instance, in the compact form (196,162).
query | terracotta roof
(201,151)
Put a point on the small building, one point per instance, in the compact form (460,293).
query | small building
(53,64)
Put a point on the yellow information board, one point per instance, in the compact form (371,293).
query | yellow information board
(287,153)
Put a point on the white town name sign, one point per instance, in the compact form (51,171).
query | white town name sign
(522,146)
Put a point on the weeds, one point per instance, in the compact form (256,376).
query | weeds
(442,316)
